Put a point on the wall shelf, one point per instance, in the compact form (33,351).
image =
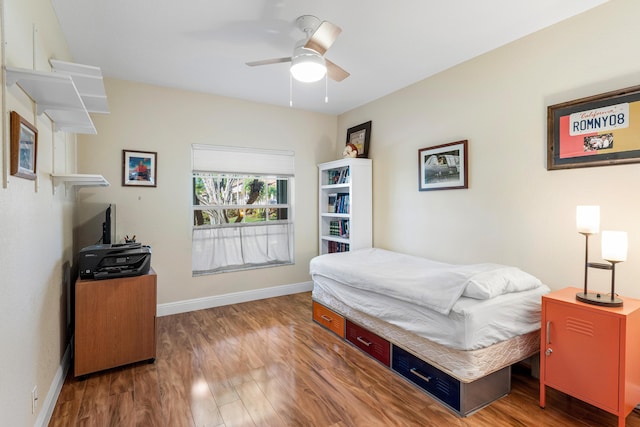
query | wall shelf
(88,81)
(56,95)
(78,180)
(66,95)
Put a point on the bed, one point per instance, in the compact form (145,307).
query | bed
(453,330)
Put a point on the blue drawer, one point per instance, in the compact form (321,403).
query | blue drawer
(430,379)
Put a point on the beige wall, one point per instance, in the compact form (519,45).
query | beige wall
(35,231)
(514,211)
(168,121)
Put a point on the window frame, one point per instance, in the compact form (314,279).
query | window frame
(289,221)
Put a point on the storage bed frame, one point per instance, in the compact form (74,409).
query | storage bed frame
(464,381)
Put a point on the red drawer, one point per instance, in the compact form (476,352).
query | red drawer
(329,319)
(370,343)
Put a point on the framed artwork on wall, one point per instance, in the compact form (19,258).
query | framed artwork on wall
(443,167)
(139,168)
(24,147)
(598,130)
(359,137)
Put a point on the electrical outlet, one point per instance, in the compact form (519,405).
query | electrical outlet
(34,399)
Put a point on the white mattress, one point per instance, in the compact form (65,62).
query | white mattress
(466,366)
(421,281)
(470,325)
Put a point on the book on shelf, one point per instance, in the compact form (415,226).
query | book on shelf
(338,176)
(339,227)
(344,176)
(338,203)
(331,199)
(333,176)
(342,203)
(333,247)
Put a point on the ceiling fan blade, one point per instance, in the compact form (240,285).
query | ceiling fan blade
(323,37)
(335,72)
(268,61)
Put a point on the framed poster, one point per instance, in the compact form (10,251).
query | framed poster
(598,130)
(359,137)
(24,147)
(139,168)
(443,167)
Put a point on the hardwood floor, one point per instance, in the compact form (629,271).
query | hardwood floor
(265,363)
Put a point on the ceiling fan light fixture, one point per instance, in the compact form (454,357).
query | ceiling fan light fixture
(308,67)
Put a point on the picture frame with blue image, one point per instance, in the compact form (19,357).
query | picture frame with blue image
(24,147)
(139,168)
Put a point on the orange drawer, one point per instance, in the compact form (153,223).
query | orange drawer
(329,319)
(369,342)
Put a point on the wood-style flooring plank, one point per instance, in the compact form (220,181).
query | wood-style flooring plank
(121,410)
(266,363)
(170,359)
(65,413)
(236,415)
(258,405)
(147,402)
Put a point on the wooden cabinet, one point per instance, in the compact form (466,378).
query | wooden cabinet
(591,352)
(115,322)
(345,203)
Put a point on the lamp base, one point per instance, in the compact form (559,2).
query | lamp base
(599,299)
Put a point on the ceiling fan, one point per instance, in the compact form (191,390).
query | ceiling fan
(308,63)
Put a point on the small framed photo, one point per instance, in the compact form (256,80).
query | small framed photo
(599,130)
(359,136)
(139,168)
(443,167)
(24,147)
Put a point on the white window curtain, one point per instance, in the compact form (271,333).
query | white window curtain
(231,247)
(222,249)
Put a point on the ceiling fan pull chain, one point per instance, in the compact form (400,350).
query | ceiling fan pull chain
(290,90)
(326,90)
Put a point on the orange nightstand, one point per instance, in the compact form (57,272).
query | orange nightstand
(591,352)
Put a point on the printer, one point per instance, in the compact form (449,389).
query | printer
(110,261)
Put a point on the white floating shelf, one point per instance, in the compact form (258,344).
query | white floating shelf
(79,180)
(56,95)
(88,81)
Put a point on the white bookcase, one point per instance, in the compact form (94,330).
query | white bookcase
(345,203)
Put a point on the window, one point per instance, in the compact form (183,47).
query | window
(240,220)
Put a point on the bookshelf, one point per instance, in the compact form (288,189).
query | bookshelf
(345,203)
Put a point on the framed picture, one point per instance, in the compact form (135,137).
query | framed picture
(359,136)
(598,130)
(139,168)
(24,147)
(443,167)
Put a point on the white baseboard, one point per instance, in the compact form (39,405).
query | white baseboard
(54,391)
(233,298)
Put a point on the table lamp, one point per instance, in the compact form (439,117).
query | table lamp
(614,250)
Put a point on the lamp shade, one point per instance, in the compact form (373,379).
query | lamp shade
(588,219)
(614,246)
(307,66)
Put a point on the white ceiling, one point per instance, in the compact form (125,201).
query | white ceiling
(202,45)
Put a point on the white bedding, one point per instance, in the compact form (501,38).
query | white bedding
(431,284)
(396,288)
(471,324)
